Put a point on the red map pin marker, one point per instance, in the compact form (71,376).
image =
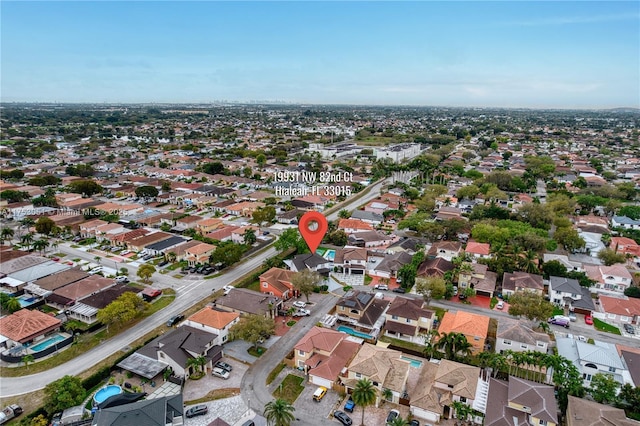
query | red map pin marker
(312,227)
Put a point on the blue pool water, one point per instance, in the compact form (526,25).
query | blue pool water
(106,392)
(330,255)
(46,343)
(414,362)
(353,332)
(26,300)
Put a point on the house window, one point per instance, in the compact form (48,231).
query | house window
(522,346)
(610,278)
(301,353)
(611,316)
(507,342)
(612,369)
(358,375)
(540,344)
(265,285)
(463,399)
(355,311)
(224,338)
(573,295)
(408,320)
(624,319)
(542,422)
(395,317)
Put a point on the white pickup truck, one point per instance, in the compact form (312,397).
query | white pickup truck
(10,412)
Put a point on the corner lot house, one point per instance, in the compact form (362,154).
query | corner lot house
(620,310)
(214,321)
(567,292)
(25,326)
(324,354)
(520,402)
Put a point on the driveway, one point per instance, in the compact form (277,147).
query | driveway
(195,389)
(237,349)
(317,410)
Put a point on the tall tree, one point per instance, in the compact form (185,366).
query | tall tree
(63,393)
(6,234)
(279,413)
(364,394)
(252,328)
(604,388)
(249,236)
(531,305)
(305,281)
(40,245)
(196,363)
(145,272)
(431,288)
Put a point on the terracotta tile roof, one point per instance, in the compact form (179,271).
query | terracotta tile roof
(466,323)
(626,307)
(278,278)
(200,249)
(55,281)
(84,287)
(319,338)
(214,318)
(354,224)
(478,248)
(24,325)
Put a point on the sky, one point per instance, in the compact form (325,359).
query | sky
(544,54)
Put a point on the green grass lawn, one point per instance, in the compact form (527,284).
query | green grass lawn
(290,388)
(603,326)
(557,311)
(402,344)
(274,373)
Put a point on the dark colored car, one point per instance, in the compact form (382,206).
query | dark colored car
(393,414)
(399,290)
(198,410)
(343,418)
(349,405)
(461,296)
(414,422)
(174,320)
(629,329)
(224,366)
(164,262)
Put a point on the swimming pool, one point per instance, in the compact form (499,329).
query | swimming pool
(414,362)
(46,343)
(353,332)
(330,255)
(26,300)
(106,392)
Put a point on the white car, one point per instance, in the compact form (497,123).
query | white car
(500,305)
(299,304)
(227,289)
(302,313)
(220,372)
(381,287)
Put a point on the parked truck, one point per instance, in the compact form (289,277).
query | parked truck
(10,412)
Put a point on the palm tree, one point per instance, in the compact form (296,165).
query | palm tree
(171,256)
(27,359)
(40,245)
(279,413)
(249,236)
(197,363)
(386,394)
(463,411)
(364,394)
(6,234)
(398,421)
(529,262)
(27,239)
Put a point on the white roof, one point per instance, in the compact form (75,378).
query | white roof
(10,282)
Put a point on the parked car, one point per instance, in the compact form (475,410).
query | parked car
(342,417)
(399,290)
(559,321)
(629,329)
(319,393)
(500,305)
(455,290)
(381,287)
(302,313)
(349,405)
(299,304)
(227,289)
(572,316)
(198,410)
(224,366)
(588,320)
(461,296)
(164,262)
(414,422)
(393,414)
(174,320)
(249,423)
(220,372)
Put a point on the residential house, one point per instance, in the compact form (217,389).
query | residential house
(324,354)
(25,326)
(140,243)
(351,260)
(520,336)
(478,250)
(567,293)
(626,246)
(624,222)
(474,327)
(620,310)
(410,245)
(209,224)
(583,412)
(88,229)
(443,382)
(162,411)
(521,281)
(520,402)
(311,261)
(370,239)
(199,254)
(70,294)
(384,367)
(164,246)
(214,321)
(479,278)
(352,226)
(445,249)
(237,235)
(244,208)
(390,265)
(249,302)
(593,358)
(176,347)
(278,282)
(564,260)
(613,279)
(222,234)
(362,311)
(408,319)
(374,219)
(434,267)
